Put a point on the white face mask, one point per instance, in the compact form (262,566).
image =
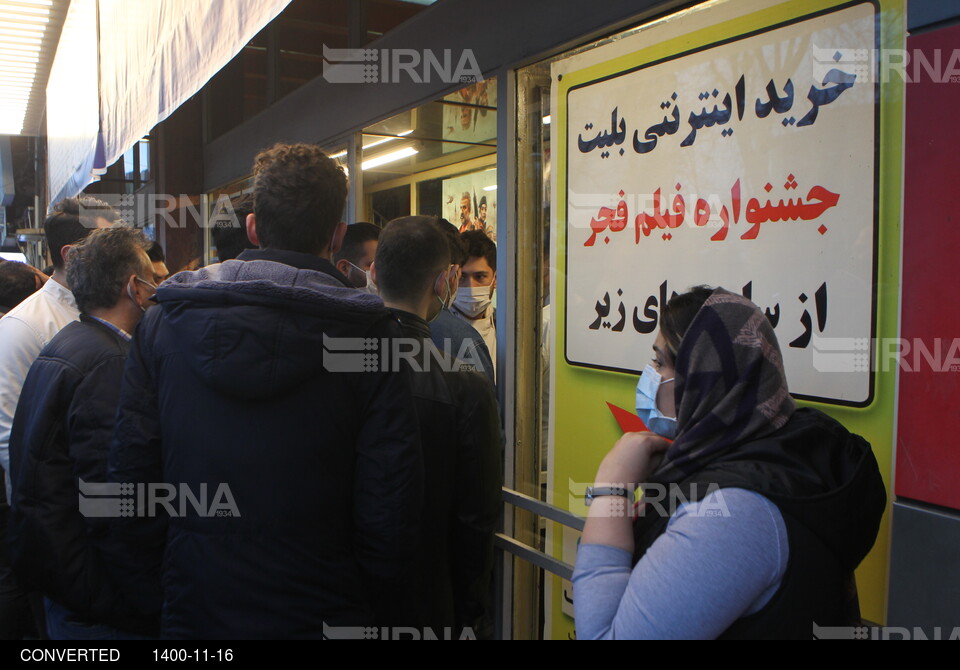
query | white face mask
(136,302)
(370,287)
(444,302)
(472,301)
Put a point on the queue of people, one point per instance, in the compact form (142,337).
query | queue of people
(194,460)
(304,437)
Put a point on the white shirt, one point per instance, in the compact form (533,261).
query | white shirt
(24,331)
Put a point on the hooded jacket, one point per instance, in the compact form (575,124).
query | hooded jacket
(246,390)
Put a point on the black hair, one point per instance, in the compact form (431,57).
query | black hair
(480,246)
(155,253)
(411,254)
(18,282)
(677,315)
(458,251)
(71,221)
(357,235)
(299,194)
(229,231)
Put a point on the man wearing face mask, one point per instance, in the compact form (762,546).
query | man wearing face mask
(61,430)
(450,332)
(357,254)
(477,283)
(459,431)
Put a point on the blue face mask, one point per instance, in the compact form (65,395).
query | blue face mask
(647,388)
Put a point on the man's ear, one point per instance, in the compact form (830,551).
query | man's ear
(343,266)
(251,224)
(494,284)
(64,250)
(373,273)
(131,289)
(456,274)
(337,240)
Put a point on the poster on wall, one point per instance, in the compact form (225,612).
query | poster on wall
(470,201)
(469,116)
(749,165)
(751,145)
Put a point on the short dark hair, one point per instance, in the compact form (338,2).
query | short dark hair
(458,251)
(480,246)
(155,253)
(357,235)
(229,230)
(18,282)
(411,254)
(99,265)
(299,194)
(71,221)
(677,315)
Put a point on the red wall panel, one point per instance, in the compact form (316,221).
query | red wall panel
(928,430)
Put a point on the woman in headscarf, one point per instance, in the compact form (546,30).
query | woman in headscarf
(756,513)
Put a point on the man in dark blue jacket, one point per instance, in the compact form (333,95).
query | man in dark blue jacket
(61,430)
(237,386)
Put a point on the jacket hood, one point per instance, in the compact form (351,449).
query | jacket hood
(819,474)
(254,329)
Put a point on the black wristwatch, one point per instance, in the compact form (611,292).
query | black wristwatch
(597,491)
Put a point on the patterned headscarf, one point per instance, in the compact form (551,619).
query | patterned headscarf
(730,385)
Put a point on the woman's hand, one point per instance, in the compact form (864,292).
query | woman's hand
(632,459)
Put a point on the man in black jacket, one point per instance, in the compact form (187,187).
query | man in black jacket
(313,476)
(61,430)
(459,427)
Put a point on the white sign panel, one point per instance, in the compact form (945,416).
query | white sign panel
(751,165)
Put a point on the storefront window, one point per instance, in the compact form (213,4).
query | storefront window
(437,159)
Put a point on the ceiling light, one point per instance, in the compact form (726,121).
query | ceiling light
(18,68)
(20,48)
(18,58)
(23,8)
(26,18)
(390,157)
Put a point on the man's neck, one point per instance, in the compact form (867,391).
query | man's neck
(407,306)
(119,315)
(60,276)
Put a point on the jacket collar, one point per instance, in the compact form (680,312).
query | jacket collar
(296,259)
(106,326)
(411,322)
